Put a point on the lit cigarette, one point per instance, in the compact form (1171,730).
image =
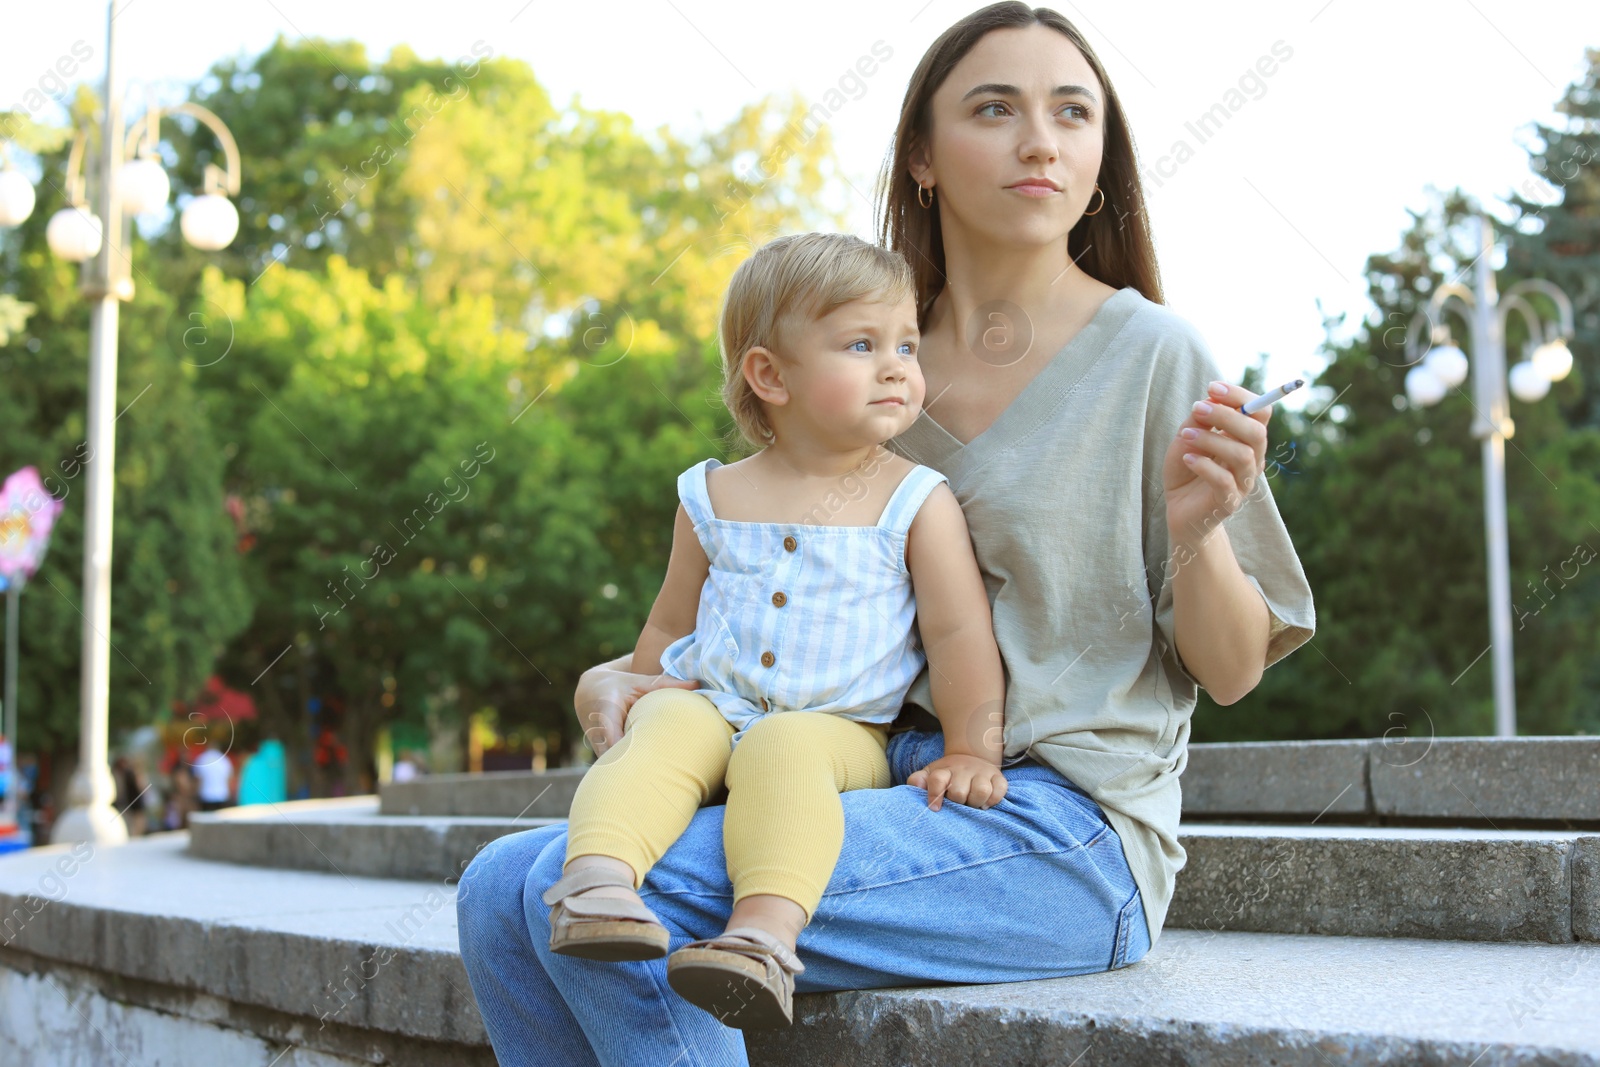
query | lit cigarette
(1266,400)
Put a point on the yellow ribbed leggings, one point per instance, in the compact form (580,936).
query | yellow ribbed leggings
(784,824)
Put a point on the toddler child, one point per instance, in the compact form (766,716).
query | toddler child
(798,608)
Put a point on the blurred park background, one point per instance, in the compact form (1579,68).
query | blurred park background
(397,464)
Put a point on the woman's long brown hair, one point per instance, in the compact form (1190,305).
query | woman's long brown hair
(1112,245)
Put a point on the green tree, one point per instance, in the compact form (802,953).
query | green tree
(1385,505)
(509,279)
(556,306)
(1557,229)
(177,592)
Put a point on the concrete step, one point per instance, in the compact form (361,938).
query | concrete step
(348,836)
(1390,881)
(163,951)
(1458,884)
(1528,782)
(1403,778)
(515,794)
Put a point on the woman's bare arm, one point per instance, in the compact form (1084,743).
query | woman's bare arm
(1219,622)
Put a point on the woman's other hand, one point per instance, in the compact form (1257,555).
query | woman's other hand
(605,696)
(969,780)
(1229,450)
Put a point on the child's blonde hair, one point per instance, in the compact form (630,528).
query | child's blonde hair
(789,280)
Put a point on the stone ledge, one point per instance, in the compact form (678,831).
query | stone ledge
(517,794)
(1586,889)
(308,834)
(279,940)
(137,1022)
(1478,780)
(1294,779)
(1491,778)
(374,954)
(1460,885)
(1468,885)
(1210,1000)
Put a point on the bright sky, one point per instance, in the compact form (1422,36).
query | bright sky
(1273,214)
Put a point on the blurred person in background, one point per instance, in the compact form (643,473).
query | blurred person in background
(131,786)
(328,758)
(214,777)
(6,769)
(407,767)
(264,777)
(181,799)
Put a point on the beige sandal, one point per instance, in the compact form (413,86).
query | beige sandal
(602,928)
(744,977)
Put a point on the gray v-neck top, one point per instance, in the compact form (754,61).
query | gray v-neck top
(1064,500)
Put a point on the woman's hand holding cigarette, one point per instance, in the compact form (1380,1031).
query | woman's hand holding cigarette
(1214,460)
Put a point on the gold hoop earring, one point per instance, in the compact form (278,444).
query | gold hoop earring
(920,190)
(1102,206)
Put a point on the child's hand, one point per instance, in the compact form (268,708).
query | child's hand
(970,780)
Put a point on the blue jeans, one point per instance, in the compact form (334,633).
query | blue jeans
(1034,887)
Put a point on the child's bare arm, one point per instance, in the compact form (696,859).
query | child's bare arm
(965,673)
(677,605)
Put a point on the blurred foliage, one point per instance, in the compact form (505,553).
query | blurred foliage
(178,592)
(1385,505)
(13,316)
(1556,233)
(450,369)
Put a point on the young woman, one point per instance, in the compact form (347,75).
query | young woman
(1129,543)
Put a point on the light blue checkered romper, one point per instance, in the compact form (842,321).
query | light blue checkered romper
(803,617)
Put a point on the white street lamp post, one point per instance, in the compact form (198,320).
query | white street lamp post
(1445,367)
(90,815)
(208,222)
